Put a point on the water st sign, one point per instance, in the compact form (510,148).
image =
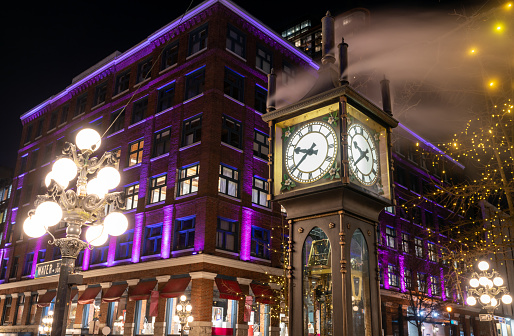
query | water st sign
(48,268)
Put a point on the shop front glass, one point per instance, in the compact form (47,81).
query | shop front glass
(118,314)
(317,284)
(224,314)
(259,320)
(144,321)
(359,277)
(91,314)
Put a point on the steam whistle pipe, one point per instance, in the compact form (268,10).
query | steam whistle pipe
(272,88)
(386,96)
(327,39)
(343,62)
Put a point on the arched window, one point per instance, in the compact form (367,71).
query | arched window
(317,284)
(359,277)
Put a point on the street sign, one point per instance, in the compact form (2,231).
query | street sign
(48,268)
(485,317)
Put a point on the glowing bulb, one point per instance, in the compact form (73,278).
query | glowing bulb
(483,281)
(484,298)
(190,318)
(57,178)
(179,307)
(471,301)
(474,282)
(494,302)
(498,281)
(96,187)
(110,177)
(33,227)
(176,318)
(88,139)
(115,223)
(96,235)
(49,213)
(507,299)
(189,308)
(483,265)
(65,169)
(183,298)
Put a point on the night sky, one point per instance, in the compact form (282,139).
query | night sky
(45,44)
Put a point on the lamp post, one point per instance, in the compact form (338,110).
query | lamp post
(449,310)
(486,288)
(183,314)
(84,206)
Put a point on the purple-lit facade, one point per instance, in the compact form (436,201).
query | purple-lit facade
(193,160)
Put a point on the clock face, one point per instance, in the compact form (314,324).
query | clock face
(311,152)
(362,154)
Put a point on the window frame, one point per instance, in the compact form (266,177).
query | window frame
(154,185)
(117,121)
(100,94)
(392,276)
(137,152)
(259,192)
(194,131)
(225,181)
(194,83)
(166,97)
(144,70)
(260,247)
(139,109)
(198,39)
(161,142)
(418,247)
(127,243)
(188,232)
(187,179)
(170,52)
(234,84)
(236,44)
(256,142)
(232,136)
(221,234)
(80,105)
(390,237)
(122,82)
(263,59)
(131,196)
(152,239)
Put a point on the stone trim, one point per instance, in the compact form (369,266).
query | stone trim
(202,275)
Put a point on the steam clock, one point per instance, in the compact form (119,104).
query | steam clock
(330,169)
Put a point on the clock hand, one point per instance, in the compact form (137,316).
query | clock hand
(307,152)
(363,155)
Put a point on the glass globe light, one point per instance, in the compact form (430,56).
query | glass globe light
(471,300)
(190,319)
(88,139)
(483,265)
(489,283)
(485,298)
(494,302)
(189,308)
(483,281)
(96,187)
(40,328)
(57,178)
(507,299)
(49,213)
(179,307)
(115,223)
(96,235)
(65,169)
(33,227)
(45,328)
(51,312)
(183,298)
(176,318)
(473,282)
(498,281)
(109,176)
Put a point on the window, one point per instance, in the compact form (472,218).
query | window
(169,56)
(136,152)
(392,274)
(288,74)
(100,94)
(166,97)
(435,285)
(28,134)
(416,215)
(29,262)
(39,129)
(99,254)
(161,143)
(3,269)
(191,130)
(405,243)
(81,105)
(41,256)
(122,82)
(407,278)
(432,252)
(143,70)
(390,237)
(401,208)
(261,96)
(7,311)
(33,160)
(20,304)
(23,163)
(139,110)
(260,192)
(422,282)
(48,152)
(260,145)
(234,85)
(231,132)
(185,233)
(418,247)
(32,309)
(131,196)
(188,180)
(429,220)
(56,253)
(158,189)
(260,243)
(64,114)
(117,122)
(53,120)
(14,267)
(124,245)
(228,182)
(197,40)
(226,235)
(236,41)
(152,240)
(400,175)
(195,83)
(263,59)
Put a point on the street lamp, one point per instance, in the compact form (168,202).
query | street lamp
(183,314)
(84,205)
(46,323)
(449,310)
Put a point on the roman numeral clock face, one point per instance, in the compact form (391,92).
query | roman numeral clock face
(362,154)
(311,152)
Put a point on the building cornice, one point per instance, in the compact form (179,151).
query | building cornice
(150,265)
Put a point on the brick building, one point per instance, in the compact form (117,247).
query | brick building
(182,110)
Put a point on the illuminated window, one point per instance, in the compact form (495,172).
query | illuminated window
(136,152)
(405,242)
(407,278)
(131,196)
(435,285)
(158,189)
(422,282)
(191,130)
(392,275)
(390,237)
(188,179)
(260,192)
(432,252)
(228,183)
(418,247)
(6,311)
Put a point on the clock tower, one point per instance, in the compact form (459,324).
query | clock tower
(330,167)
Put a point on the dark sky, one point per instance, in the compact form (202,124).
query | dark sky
(45,44)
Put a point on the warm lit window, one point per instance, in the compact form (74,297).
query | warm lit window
(432,252)
(158,189)
(228,183)
(136,152)
(131,196)
(188,180)
(435,285)
(260,192)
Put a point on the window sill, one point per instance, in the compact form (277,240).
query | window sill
(260,159)
(192,98)
(235,254)
(232,147)
(155,204)
(262,71)
(78,116)
(51,130)
(135,124)
(117,132)
(150,256)
(167,69)
(192,249)
(62,124)
(134,166)
(38,137)
(119,94)
(234,100)
(98,105)
(130,211)
(189,146)
(186,195)
(196,53)
(260,259)
(142,82)
(229,197)
(164,111)
(159,157)
(261,206)
(238,56)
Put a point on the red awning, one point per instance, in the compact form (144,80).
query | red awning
(45,299)
(229,289)
(175,287)
(114,293)
(263,293)
(89,295)
(142,290)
